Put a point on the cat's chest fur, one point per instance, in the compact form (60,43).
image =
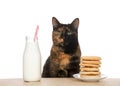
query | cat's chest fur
(59,57)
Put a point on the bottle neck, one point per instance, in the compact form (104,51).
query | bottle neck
(31,40)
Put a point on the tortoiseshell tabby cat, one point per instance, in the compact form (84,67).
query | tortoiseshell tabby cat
(65,54)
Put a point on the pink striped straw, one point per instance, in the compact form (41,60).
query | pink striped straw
(36,32)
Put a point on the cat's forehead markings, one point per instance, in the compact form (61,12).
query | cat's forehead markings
(67,28)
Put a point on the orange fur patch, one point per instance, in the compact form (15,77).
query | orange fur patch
(56,37)
(64,59)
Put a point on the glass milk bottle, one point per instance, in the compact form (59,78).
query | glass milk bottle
(31,61)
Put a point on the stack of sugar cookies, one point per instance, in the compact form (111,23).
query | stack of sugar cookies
(89,67)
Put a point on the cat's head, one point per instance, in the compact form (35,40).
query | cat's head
(65,36)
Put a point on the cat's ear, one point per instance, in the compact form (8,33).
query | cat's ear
(75,23)
(55,22)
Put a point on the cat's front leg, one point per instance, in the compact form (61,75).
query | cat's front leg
(62,73)
(53,70)
(73,66)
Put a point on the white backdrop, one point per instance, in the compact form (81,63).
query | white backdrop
(98,31)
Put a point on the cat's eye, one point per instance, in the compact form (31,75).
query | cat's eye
(58,32)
